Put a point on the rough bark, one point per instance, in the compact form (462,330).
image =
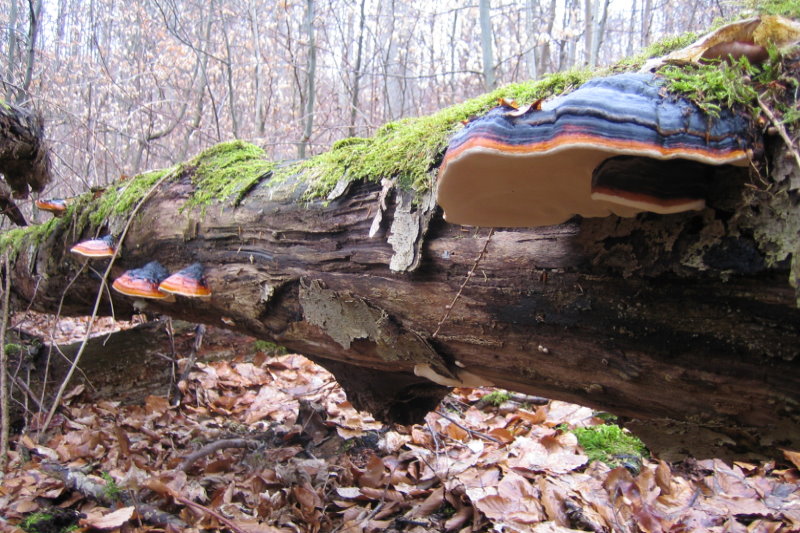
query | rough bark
(24,158)
(686,323)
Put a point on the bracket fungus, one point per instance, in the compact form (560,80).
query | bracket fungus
(95,248)
(143,282)
(617,145)
(57,206)
(189,282)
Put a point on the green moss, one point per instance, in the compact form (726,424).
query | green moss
(268,347)
(662,47)
(112,491)
(496,397)
(33,522)
(408,149)
(14,239)
(786,8)
(713,86)
(610,444)
(226,172)
(13,349)
(120,198)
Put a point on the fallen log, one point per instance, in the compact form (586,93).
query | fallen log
(685,324)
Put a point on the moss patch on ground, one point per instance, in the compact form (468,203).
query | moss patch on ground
(610,444)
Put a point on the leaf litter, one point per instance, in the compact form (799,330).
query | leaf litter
(271,445)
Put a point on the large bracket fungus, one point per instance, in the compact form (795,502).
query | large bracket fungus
(597,151)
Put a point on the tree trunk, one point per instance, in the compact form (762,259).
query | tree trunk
(308,110)
(686,323)
(351,129)
(486,45)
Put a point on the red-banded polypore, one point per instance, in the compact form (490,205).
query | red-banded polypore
(143,282)
(56,206)
(189,282)
(95,248)
(617,145)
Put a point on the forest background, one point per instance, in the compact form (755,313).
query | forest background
(129,86)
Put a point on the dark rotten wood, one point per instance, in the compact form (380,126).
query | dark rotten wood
(686,324)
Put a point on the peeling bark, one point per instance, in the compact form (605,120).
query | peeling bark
(684,323)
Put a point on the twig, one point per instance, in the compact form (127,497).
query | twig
(199,333)
(27,390)
(5,423)
(210,448)
(449,308)
(76,480)
(468,430)
(781,130)
(103,282)
(203,508)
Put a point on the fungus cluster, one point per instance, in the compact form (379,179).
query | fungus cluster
(155,282)
(152,281)
(617,145)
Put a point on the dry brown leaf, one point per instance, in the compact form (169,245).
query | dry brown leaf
(98,519)
(432,503)
(512,501)
(794,457)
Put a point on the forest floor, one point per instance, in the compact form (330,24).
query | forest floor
(269,443)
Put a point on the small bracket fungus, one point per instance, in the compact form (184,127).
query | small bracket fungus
(95,248)
(189,282)
(536,168)
(463,378)
(143,282)
(57,206)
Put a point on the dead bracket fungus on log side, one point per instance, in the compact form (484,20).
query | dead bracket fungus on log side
(535,168)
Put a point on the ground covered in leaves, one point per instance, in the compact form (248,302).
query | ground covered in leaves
(270,444)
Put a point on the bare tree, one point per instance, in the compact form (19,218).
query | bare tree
(351,132)
(486,45)
(308,113)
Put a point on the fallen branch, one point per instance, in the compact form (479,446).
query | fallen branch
(212,447)
(78,481)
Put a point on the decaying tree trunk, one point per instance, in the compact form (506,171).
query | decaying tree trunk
(688,324)
(24,159)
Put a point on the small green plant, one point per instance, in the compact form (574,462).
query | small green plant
(497,397)
(112,491)
(268,347)
(714,86)
(34,521)
(606,417)
(610,444)
(13,349)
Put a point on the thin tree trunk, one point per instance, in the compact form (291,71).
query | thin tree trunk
(351,130)
(530,24)
(308,111)
(486,45)
(255,35)
(11,53)
(647,17)
(599,30)
(5,422)
(34,11)
(231,92)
